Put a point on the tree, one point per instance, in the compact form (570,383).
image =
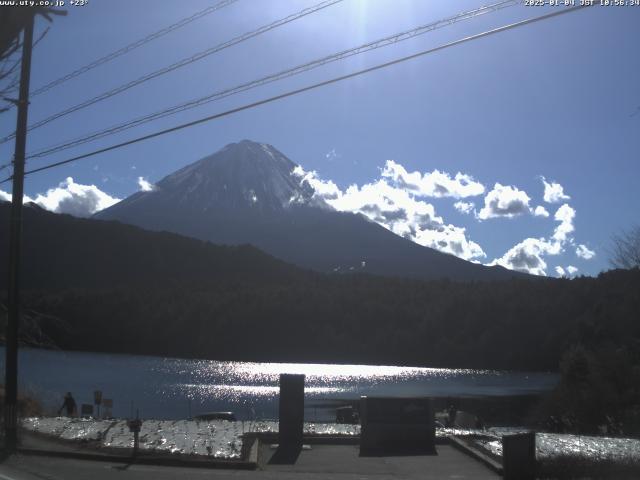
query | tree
(626,249)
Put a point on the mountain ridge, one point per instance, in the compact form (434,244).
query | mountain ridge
(248,192)
(104,286)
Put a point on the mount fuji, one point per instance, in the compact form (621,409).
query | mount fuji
(249,193)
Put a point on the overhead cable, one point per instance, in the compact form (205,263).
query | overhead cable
(132,46)
(383,42)
(185,61)
(306,89)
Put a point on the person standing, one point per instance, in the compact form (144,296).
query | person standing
(69,404)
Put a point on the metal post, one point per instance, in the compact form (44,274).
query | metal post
(135,426)
(136,442)
(15,229)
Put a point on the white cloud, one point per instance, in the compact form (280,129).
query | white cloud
(528,255)
(540,211)
(397,209)
(570,271)
(464,207)
(332,155)
(584,252)
(436,184)
(72,198)
(394,201)
(504,201)
(6,196)
(565,215)
(553,192)
(144,185)
(326,190)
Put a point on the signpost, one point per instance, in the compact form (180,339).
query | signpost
(108,406)
(134,426)
(97,400)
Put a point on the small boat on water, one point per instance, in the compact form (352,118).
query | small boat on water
(216,416)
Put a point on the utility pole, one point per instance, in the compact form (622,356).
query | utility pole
(15,234)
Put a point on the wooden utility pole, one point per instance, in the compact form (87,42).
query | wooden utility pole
(15,234)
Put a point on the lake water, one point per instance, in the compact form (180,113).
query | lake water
(170,388)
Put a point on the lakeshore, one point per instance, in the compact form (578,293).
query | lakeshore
(222,443)
(171,388)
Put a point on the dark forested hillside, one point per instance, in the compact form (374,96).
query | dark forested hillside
(62,251)
(121,289)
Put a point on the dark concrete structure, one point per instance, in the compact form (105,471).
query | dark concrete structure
(291,419)
(291,414)
(519,456)
(397,426)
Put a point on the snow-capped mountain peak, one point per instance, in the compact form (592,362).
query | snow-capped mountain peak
(242,175)
(251,193)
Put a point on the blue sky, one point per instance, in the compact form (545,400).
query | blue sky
(555,99)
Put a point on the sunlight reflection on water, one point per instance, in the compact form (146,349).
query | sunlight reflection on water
(231,392)
(238,381)
(315,372)
(170,388)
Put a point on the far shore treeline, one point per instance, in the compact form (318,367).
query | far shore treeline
(103,286)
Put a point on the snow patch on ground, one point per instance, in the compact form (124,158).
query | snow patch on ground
(552,445)
(223,439)
(212,438)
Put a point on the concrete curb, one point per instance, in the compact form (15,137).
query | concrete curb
(145,460)
(476,453)
(310,439)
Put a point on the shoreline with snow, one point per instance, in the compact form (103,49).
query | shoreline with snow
(223,440)
(219,439)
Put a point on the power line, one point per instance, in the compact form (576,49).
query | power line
(133,46)
(306,89)
(383,42)
(12,85)
(185,61)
